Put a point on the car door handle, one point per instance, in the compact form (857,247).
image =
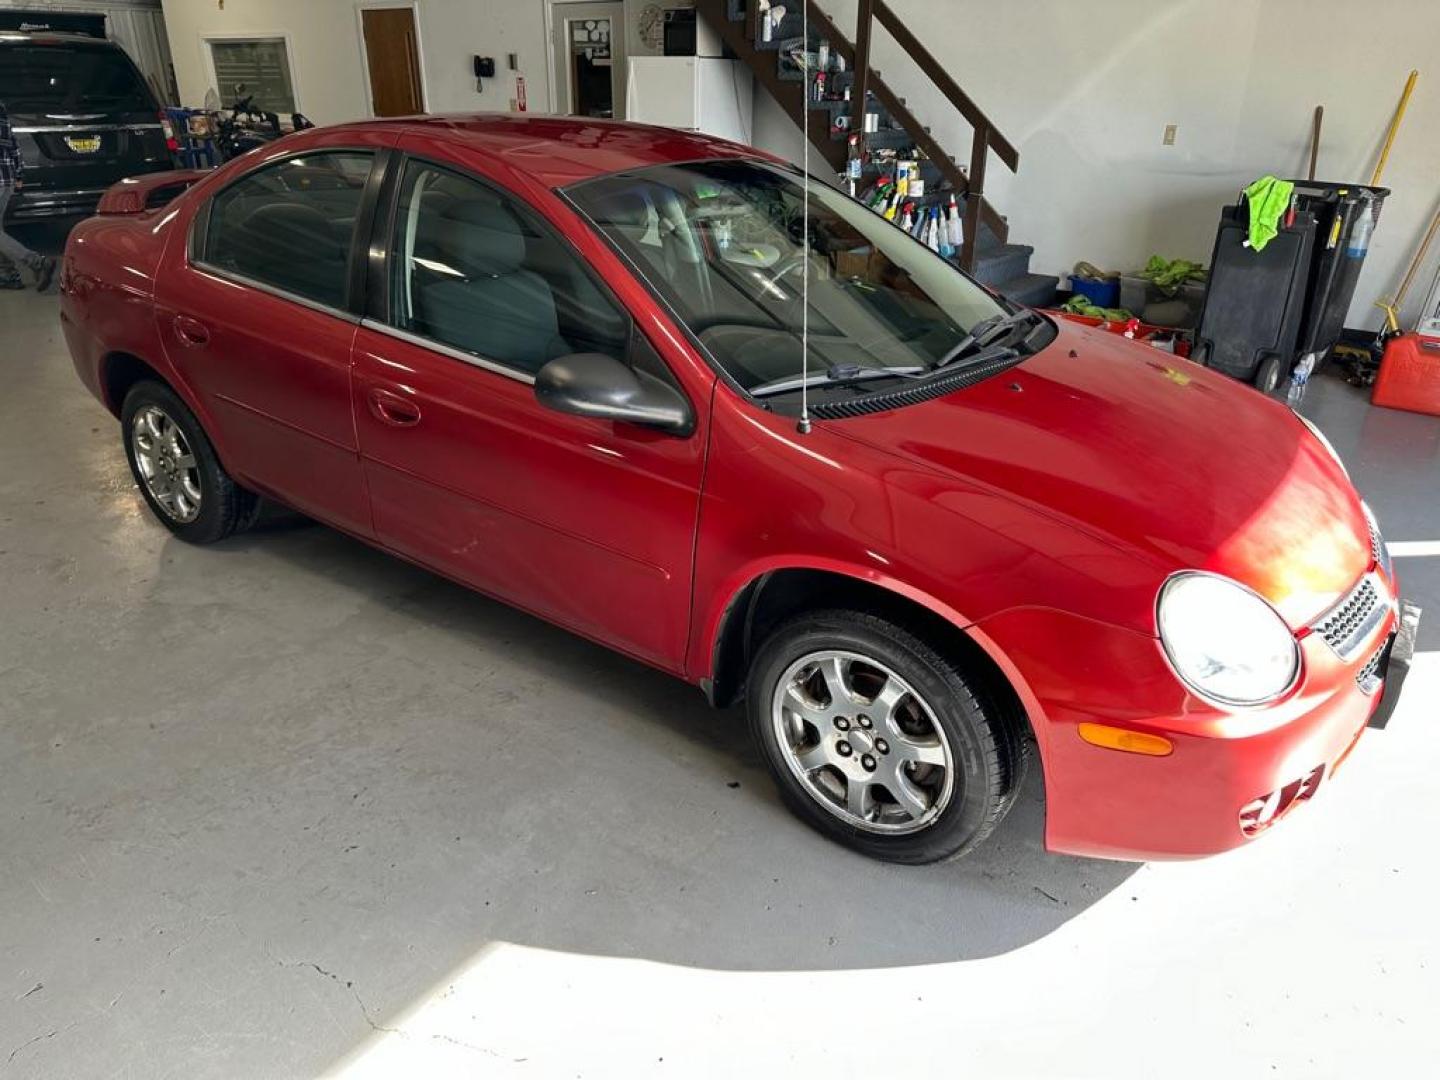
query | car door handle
(393,409)
(191,332)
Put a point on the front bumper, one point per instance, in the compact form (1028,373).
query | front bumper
(1231,775)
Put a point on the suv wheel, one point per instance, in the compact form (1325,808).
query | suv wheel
(878,741)
(177,470)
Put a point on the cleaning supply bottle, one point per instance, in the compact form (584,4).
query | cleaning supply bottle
(1300,377)
(932,231)
(907,217)
(954,226)
(1361,232)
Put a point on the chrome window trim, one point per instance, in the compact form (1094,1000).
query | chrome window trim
(473,359)
(52,129)
(233,278)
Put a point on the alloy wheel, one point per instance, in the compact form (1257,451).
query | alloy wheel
(167,463)
(863,742)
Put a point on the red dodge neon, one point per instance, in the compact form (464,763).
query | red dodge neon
(561,362)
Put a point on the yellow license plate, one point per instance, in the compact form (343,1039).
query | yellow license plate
(83,144)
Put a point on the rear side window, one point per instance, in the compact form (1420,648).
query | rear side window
(291,225)
(57,79)
(475,270)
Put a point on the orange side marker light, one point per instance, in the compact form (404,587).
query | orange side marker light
(1131,742)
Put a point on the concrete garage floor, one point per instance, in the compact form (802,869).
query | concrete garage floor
(286,807)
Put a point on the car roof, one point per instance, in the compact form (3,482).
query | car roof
(561,150)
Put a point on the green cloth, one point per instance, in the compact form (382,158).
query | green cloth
(1269,198)
(1079,305)
(1169,274)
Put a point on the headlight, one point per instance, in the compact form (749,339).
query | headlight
(1224,641)
(1329,446)
(1378,547)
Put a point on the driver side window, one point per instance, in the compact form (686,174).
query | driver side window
(472,269)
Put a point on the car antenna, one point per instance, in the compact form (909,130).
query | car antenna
(804,426)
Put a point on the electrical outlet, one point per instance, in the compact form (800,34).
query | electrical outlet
(1169,139)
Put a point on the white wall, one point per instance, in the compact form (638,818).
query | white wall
(1084,91)
(327,63)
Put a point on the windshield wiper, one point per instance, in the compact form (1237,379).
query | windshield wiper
(984,333)
(836,375)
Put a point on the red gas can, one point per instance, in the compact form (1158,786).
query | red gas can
(1409,375)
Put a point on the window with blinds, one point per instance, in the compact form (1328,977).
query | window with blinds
(262,64)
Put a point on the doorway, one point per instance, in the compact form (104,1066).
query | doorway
(392,55)
(588,52)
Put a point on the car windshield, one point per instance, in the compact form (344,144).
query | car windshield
(723,243)
(64,79)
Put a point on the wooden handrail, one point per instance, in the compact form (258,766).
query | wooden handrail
(972,186)
(942,80)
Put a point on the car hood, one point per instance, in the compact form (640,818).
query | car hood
(1182,465)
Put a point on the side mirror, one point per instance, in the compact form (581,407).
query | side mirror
(599,386)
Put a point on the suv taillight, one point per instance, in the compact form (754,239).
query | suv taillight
(171,143)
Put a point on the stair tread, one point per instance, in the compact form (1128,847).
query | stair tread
(1029,288)
(1003,251)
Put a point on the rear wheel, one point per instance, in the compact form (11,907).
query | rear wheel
(878,741)
(177,470)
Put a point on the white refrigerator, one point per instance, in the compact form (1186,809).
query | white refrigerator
(696,93)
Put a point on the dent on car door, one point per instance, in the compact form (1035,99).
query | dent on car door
(587,522)
(257,320)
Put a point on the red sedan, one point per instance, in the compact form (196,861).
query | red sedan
(561,362)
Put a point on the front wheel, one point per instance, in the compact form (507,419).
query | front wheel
(878,741)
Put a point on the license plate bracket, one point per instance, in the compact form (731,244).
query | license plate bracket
(1396,664)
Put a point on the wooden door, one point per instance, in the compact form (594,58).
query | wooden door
(393,56)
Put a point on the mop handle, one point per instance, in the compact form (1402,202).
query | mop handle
(1394,127)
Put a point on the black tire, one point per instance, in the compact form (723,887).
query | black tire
(1269,375)
(225,507)
(986,740)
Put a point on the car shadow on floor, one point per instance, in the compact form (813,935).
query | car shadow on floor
(677,849)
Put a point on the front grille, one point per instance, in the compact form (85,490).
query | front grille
(1350,622)
(1377,544)
(1368,677)
(1259,814)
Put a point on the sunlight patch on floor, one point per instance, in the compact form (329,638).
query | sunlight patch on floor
(1200,956)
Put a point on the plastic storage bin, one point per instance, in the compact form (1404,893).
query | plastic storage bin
(1143,298)
(1102,292)
(1409,375)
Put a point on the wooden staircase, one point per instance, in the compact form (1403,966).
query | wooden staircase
(987,252)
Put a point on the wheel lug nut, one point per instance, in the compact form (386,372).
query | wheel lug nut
(843,748)
(842,723)
(882,746)
(865,722)
(868,762)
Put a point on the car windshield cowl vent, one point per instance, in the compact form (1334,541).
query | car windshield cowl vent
(922,390)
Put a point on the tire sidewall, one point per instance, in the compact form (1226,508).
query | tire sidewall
(965,821)
(209,524)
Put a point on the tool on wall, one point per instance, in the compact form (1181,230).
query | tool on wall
(1315,139)
(1394,127)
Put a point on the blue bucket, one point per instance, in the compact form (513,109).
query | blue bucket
(1102,293)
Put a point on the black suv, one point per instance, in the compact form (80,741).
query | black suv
(84,119)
